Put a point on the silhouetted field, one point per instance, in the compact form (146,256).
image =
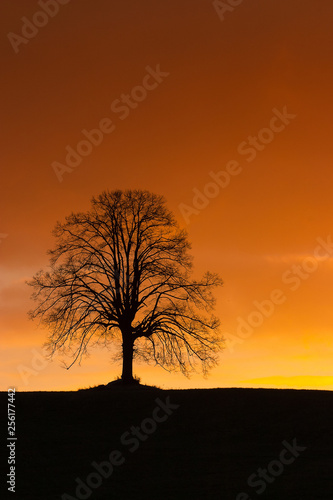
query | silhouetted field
(207,448)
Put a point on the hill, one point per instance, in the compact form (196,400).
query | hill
(111,443)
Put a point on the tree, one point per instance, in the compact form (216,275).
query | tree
(123,270)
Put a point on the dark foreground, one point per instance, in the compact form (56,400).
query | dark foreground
(193,444)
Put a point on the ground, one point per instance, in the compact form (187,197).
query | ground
(176,444)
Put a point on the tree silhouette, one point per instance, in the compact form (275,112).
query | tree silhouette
(122,270)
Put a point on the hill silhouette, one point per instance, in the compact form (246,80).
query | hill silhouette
(175,444)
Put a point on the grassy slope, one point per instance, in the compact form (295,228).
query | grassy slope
(206,449)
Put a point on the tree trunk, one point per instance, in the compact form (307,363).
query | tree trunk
(127,375)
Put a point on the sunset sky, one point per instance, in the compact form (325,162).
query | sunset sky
(226,114)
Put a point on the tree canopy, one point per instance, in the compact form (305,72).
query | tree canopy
(122,270)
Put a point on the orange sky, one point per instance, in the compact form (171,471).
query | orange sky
(222,83)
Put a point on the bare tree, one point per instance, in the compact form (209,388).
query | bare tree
(123,270)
